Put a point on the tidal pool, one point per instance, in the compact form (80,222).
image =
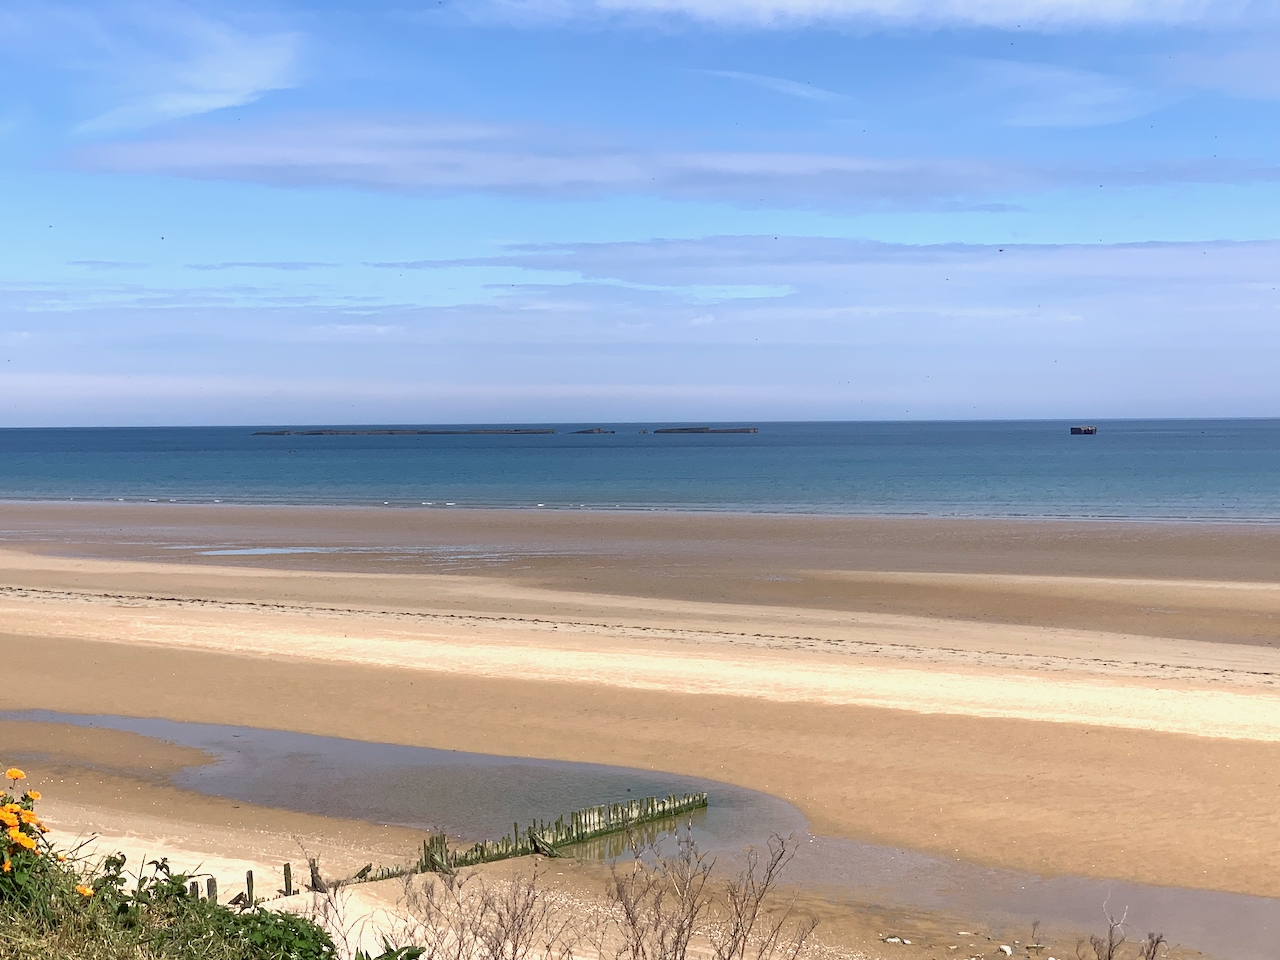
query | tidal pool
(478,796)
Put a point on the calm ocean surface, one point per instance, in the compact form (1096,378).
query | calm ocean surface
(1195,469)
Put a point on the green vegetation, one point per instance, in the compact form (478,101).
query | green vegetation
(53,907)
(56,907)
(153,915)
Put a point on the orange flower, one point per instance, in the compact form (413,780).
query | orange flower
(35,795)
(84,891)
(8,819)
(25,841)
(62,858)
(14,774)
(28,816)
(7,866)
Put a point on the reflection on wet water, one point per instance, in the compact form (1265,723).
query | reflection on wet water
(476,796)
(470,796)
(646,836)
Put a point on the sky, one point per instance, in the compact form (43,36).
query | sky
(616,210)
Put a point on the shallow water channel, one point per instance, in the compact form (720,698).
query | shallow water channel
(477,796)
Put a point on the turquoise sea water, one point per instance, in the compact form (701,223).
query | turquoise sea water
(1186,469)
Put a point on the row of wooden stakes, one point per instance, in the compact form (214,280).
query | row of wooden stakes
(541,837)
(544,837)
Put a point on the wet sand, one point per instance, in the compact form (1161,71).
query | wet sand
(1143,578)
(109,790)
(106,791)
(1086,698)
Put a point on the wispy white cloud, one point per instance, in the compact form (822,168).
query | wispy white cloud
(291,265)
(855,328)
(106,264)
(1043,95)
(152,62)
(897,279)
(421,155)
(410,154)
(1251,71)
(790,88)
(1030,14)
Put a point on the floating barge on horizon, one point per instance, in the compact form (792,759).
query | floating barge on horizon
(499,432)
(707,430)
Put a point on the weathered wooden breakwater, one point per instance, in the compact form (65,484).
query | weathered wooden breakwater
(546,838)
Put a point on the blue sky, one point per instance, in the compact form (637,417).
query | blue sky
(524,210)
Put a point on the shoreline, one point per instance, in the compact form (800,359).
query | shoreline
(697,510)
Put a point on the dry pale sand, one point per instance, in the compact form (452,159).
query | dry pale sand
(1087,698)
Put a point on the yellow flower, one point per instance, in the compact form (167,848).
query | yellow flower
(28,816)
(7,866)
(14,833)
(25,841)
(8,819)
(14,774)
(84,891)
(62,858)
(35,795)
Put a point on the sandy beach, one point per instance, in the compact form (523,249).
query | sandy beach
(1095,699)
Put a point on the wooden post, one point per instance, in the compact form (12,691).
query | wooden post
(195,889)
(212,887)
(288,880)
(248,887)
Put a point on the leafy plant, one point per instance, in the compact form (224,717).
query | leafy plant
(26,858)
(53,905)
(393,953)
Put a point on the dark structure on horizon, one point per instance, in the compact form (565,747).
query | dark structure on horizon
(707,430)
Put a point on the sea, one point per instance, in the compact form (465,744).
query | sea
(1206,470)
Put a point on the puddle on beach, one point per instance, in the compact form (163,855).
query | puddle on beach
(447,555)
(478,796)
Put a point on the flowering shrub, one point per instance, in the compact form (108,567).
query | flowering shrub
(26,857)
(52,905)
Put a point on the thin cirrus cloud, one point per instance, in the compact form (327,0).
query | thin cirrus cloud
(214,66)
(1251,71)
(1044,95)
(107,264)
(1031,14)
(425,156)
(790,88)
(818,290)
(150,63)
(823,270)
(291,265)
(428,156)
(941,316)
(785,289)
